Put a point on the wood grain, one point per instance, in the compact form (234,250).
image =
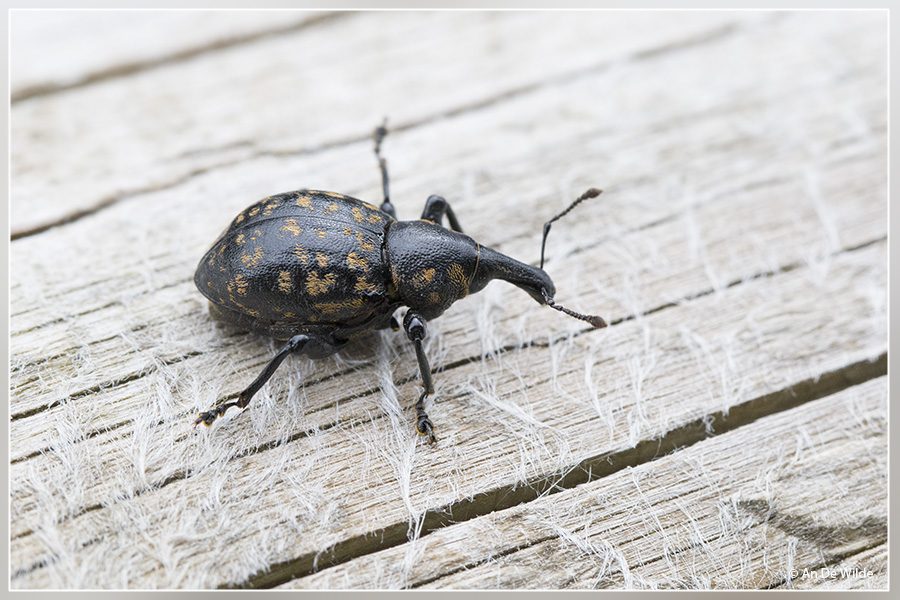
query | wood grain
(738,251)
(744,509)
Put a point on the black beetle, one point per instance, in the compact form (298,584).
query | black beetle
(318,269)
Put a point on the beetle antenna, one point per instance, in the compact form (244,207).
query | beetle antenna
(591,193)
(596,322)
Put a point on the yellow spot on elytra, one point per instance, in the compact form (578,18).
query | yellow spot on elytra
(241,285)
(331,208)
(240,218)
(305,202)
(321,232)
(365,244)
(364,286)
(434,298)
(240,239)
(256,234)
(333,194)
(254,211)
(316,285)
(358,215)
(292,226)
(322,259)
(252,260)
(284,281)
(374,218)
(333,307)
(355,262)
(370,206)
(301,254)
(347,231)
(269,208)
(423,278)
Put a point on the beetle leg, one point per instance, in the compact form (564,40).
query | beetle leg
(414,325)
(295,344)
(380,133)
(435,207)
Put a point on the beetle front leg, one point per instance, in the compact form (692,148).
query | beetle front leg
(295,344)
(435,208)
(414,325)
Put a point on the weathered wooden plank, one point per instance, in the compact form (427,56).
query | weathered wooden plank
(170,123)
(770,501)
(144,334)
(643,378)
(867,570)
(42,293)
(55,50)
(715,180)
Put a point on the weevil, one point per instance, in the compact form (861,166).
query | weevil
(319,269)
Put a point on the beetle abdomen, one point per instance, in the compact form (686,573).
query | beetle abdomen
(300,257)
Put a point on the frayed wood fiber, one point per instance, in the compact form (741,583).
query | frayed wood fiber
(727,430)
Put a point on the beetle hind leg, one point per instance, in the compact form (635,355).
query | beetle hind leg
(297,344)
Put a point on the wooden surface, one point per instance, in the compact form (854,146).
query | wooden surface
(728,430)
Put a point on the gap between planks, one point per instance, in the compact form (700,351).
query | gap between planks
(438,369)
(139,66)
(790,394)
(712,35)
(589,470)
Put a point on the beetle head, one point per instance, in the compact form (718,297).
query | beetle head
(533,280)
(433,267)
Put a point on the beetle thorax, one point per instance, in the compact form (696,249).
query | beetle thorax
(431,267)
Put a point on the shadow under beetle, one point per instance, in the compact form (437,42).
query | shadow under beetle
(318,269)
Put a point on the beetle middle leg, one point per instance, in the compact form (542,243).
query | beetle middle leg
(435,209)
(315,346)
(380,133)
(414,325)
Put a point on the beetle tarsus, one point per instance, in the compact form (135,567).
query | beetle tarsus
(424,426)
(294,345)
(209,417)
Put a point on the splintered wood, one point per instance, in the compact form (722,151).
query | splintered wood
(728,430)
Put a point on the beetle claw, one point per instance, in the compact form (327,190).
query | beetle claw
(425,427)
(208,417)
